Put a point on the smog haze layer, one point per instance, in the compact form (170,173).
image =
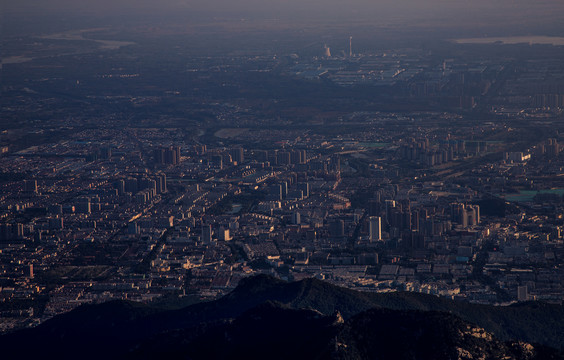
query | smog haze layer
(478,17)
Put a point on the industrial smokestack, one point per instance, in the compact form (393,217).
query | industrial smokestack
(327,51)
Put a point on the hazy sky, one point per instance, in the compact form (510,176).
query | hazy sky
(288,6)
(511,12)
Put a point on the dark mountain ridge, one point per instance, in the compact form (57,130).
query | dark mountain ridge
(119,328)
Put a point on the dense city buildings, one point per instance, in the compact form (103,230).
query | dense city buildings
(435,170)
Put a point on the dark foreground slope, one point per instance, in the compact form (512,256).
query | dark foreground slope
(274,331)
(269,318)
(381,334)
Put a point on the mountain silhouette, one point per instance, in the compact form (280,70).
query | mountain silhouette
(266,317)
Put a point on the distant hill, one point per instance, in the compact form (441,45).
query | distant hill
(268,317)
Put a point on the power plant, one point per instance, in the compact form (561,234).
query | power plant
(327,52)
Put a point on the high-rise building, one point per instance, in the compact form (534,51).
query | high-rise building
(167,156)
(30,186)
(166,221)
(159,155)
(131,185)
(133,228)
(56,223)
(105,153)
(224,234)
(273,157)
(332,164)
(304,187)
(522,293)
(161,183)
(415,220)
(298,157)
(11,231)
(120,186)
(200,149)
(172,155)
(465,215)
(284,158)
(296,218)
(412,240)
(206,234)
(237,155)
(217,161)
(261,155)
(56,209)
(29,271)
(390,206)
(275,192)
(284,186)
(373,207)
(375,228)
(337,228)
(148,184)
(68,209)
(552,147)
(303,156)
(83,206)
